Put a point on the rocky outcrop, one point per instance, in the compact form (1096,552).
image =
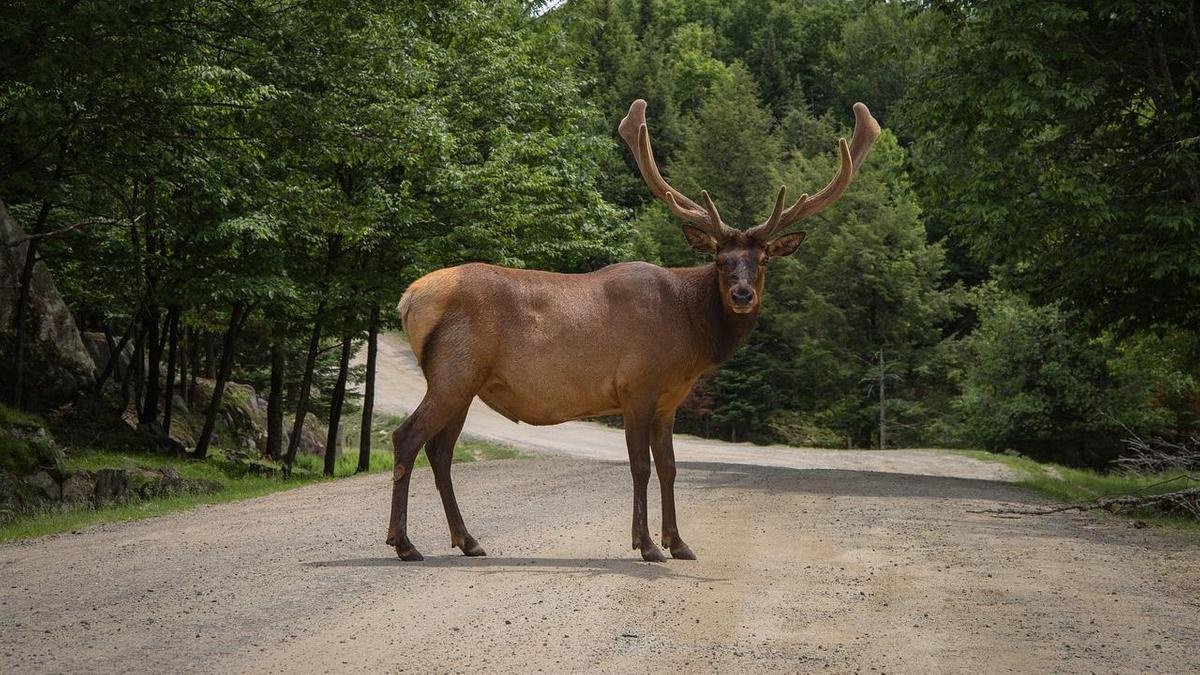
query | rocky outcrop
(241,422)
(33,476)
(102,487)
(58,365)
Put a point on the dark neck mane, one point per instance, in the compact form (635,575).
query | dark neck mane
(723,331)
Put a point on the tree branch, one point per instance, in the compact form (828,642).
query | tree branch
(69,228)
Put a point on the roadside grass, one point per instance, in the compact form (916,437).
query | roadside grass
(238,481)
(468,449)
(15,418)
(1076,486)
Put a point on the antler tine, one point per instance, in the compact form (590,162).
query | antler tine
(851,156)
(636,134)
(773,221)
(713,215)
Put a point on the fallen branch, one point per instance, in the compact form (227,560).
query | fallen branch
(1157,455)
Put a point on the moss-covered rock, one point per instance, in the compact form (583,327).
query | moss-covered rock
(25,445)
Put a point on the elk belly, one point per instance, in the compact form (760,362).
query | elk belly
(551,400)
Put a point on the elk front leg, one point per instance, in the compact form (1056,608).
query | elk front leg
(637,439)
(664,463)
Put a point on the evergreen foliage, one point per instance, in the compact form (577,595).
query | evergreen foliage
(1017,262)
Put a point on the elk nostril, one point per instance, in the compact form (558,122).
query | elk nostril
(741,296)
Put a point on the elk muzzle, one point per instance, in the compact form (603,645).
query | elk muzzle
(742,298)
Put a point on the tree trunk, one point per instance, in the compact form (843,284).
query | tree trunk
(114,357)
(368,410)
(882,401)
(335,407)
(133,372)
(139,368)
(310,362)
(210,357)
(236,320)
(275,401)
(17,395)
(149,412)
(172,356)
(183,359)
(195,359)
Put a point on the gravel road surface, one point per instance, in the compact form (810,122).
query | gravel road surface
(809,560)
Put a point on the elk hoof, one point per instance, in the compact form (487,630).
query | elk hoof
(683,553)
(409,554)
(471,548)
(653,554)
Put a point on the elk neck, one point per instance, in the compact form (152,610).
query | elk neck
(721,332)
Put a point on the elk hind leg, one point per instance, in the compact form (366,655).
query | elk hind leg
(454,378)
(440,450)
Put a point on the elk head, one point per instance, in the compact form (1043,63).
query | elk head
(742,255)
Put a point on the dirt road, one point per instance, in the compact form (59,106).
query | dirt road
(841,561)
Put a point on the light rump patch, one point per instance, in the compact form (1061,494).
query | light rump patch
(424,303)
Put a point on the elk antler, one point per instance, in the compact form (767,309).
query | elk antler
(866,130)
(636,135)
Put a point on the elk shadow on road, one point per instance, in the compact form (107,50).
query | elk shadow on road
(585,567)
(849,482)
(963,500)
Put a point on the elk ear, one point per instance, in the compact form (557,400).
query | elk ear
(785,245)
(701,242)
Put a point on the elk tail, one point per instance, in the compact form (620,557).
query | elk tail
(404,307)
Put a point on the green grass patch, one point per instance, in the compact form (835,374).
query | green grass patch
(468,448)
(11,417)
(73,519)
(1074,486)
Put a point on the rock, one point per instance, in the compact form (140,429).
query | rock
(101,487)
(97,348)
(58,364)
(45,485)
(10,492)
(166,482)
(112,486)
(24,452)
(78,488)
(260,468)
(312,436)
(241,422)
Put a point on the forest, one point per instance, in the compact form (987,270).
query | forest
(238,191)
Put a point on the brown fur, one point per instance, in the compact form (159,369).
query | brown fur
(558,347)
(544,348)
(630,339)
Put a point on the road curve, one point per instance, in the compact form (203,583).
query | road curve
(401,385)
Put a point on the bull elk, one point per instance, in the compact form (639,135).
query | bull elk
(629,339)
